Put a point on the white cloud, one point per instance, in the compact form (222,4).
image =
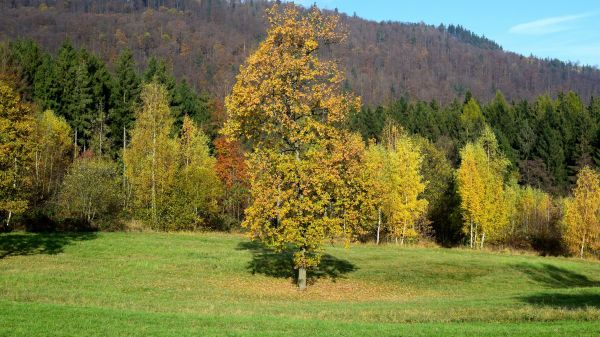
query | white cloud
(547,25)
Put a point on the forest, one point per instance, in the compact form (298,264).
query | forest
(205,42)
(115,146)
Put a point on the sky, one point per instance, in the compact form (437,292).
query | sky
(568,30)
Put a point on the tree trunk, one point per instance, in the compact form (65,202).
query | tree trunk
(8,220)
(482,240)
(582,245)
(471,236)
(154,220)
(302,278)
(403,234)
(378,224)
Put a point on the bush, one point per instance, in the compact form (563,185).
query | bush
(91,193)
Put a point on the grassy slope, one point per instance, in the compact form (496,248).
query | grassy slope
(131,284)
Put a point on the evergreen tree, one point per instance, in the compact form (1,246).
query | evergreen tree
(46,86)
(124,98)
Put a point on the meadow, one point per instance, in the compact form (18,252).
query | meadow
(211,284)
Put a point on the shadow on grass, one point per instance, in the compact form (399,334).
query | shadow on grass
(555,277)
(270,263)
(565,301)
(14,244)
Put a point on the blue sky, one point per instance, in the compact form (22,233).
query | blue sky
(568,30)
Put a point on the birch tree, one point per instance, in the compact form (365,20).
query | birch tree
(582,213)
(151,157)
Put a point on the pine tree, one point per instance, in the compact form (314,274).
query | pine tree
(47,90)
(124,98)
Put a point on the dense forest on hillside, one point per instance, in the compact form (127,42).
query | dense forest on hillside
(205,41)
(130,142)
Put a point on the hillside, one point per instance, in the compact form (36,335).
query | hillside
(152,284)
(206,41)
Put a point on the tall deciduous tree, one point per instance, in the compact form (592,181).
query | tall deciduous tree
(150,159)
(286,104)
(403,204)
(582,213)
(197,187)
(17,127)
(53,154)
(480,180)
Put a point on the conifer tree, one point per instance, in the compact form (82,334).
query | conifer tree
(124,98)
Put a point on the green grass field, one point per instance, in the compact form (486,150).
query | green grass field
(156,284)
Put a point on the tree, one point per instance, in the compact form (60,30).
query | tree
(286,104)
(124,97)
(404,186)
(231,168)
(46,84)
(197,188)
(150,159)
(53,154)
(17,127)
(374,167)
(91,192)
(582,213)
(480,180)
(471,119)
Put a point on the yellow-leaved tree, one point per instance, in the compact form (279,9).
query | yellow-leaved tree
(398,185)
(402,202)
(582,213)
(53,154)
(287,105)
(150,159)
(480,179)
(17,129)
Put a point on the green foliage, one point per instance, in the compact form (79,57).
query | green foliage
(124,97)
(91,193)
(196,189)
(150,159)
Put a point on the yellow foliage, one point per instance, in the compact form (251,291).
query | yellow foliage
(150,159)
(17,127)
(582,213)
(485,206)
(287,104)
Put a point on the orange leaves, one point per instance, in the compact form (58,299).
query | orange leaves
(231,167)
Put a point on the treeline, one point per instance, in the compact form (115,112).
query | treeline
(91,145)
(206,41)
(87,131)
(547,141)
